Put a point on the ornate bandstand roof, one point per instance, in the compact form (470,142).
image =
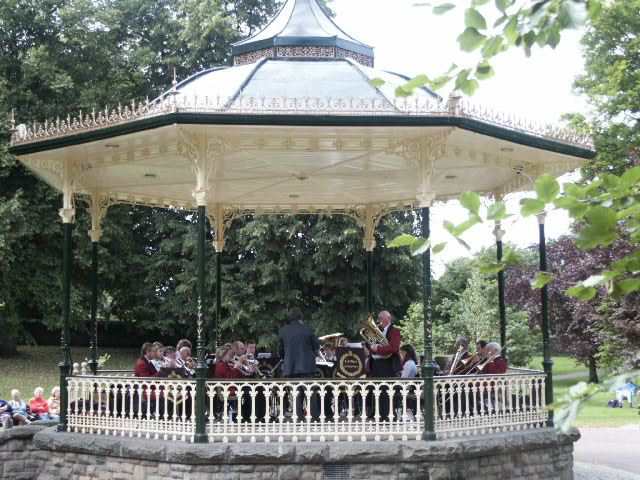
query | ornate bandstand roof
(296,125)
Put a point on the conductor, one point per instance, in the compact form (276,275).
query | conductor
(298,347)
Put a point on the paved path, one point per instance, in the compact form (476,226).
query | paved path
(612,448)
(587,471)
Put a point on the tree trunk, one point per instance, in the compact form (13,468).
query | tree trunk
(593,370)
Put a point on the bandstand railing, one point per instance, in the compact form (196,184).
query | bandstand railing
(304,410)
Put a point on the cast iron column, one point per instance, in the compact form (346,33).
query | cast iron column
(216,326)
(66,362)
(427,367)
(201,366)
(370,282)
(93,327)
(547,363)
(499,234)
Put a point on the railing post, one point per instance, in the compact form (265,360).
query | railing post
(547,363)
(201,366)
(67,215)
(427,367)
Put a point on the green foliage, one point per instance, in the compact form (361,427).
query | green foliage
(493,27)
(471,309)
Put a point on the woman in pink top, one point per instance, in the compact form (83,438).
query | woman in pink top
(39,405)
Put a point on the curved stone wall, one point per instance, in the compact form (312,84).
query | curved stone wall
(39,452)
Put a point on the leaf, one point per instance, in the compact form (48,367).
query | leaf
(631,177)
(484,71)
(547,188)
(474,19)
(401,92)
(476,3)
(467,224)
(512,257)
(492,47)
(542,279)
(439,82)
(443,8)
(376,82)
(497,211)
(416,82)
(581,292)
(576,208)
(600,228)
(511,29)
(594,7)
(471,39)
(420,246)
(438,247)
(531,206)
(628,285)
(491,268)
(471,201)
(502,5)
(404,240)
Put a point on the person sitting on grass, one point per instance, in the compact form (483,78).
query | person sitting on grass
(38,404)
(54,403)
(6,414)
(19,408)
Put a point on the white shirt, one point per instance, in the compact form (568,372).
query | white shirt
(409,369)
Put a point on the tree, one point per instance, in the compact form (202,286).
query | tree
(577,325)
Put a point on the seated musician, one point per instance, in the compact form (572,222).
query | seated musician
(185,360)
(227,365)
(481,346)
(144,367)
(461,348)
(497,364)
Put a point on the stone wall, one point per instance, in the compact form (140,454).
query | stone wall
(41,453)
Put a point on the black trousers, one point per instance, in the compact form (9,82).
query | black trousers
(381,368)
(314,399)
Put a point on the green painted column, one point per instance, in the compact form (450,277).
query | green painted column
(370,282)
(499,234)
(216,326)
(66,362)
(547,363)
(427,367)
(201,366)
(93,326)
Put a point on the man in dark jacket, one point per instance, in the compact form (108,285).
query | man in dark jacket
(299,347)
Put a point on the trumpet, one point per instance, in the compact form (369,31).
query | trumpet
(247,366)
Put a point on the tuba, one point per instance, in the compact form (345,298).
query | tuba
(372,334)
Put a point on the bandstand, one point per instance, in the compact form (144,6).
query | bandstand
(296,126)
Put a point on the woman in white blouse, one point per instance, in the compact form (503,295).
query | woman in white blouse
(409,362)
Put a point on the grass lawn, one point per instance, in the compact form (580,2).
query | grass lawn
(38,367)
(595,412)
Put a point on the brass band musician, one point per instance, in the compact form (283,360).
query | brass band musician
(385,359)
